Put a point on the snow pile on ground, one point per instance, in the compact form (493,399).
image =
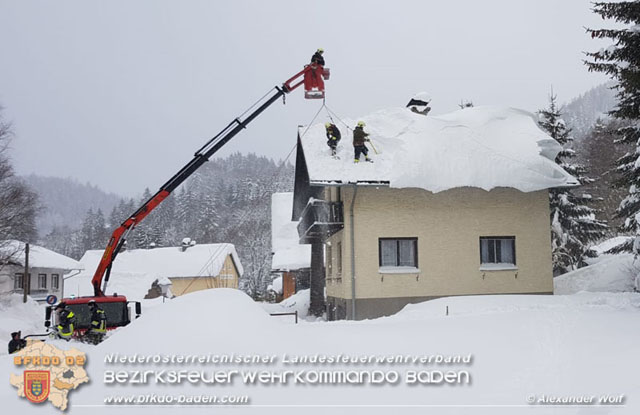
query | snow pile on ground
(611,273)
(520,345)
(38,256)
(297,302)
(18,316)
(484,147)
(500,304)
(288,254)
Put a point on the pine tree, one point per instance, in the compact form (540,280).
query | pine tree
(87,231)
(573,222)
(621,61)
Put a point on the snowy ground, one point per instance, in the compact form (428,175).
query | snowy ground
(521,345)
(18,316)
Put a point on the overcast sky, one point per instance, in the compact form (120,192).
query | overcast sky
(121,93)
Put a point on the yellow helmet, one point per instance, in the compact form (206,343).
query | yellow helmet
(327,124)
(361,124)
(320,50)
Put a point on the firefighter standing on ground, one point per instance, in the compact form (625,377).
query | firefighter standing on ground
(333,137)
(66,321)
(98,328)
(16,342)
(359,138)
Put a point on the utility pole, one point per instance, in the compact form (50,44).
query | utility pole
(26,279)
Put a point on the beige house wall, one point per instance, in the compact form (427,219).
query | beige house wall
(227,278)
(448,226)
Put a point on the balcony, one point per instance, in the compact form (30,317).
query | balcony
(319,220)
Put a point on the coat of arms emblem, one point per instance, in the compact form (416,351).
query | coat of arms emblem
(36,385)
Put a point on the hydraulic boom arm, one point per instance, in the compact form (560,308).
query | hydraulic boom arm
(201,156)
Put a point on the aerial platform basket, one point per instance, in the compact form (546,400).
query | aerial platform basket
(314,77)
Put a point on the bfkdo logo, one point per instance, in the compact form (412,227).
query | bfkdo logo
(36,385)
(48,374)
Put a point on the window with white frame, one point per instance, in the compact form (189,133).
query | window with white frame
(55,281)
(398,252)
(18,281)
(329,261)
(42,281)
(498,250)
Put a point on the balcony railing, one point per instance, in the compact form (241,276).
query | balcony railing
(319,220)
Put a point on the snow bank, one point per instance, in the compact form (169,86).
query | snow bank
(480,305)
(207,319)
(298,302)
(612,273)
(288,254)
(484,147)
(18,316)
(555,345)
(39,256)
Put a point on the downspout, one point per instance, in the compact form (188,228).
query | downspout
(353,254)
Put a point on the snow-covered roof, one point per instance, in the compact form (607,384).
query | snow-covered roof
(38,256)
(288,254)
(197,261)
(484,147)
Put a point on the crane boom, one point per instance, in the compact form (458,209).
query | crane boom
(311,79)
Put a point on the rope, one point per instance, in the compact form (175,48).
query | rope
(330,111)
(313,119)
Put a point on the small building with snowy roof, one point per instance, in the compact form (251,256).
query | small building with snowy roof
(46,268)
(456,204)
(290,261)
(188,268)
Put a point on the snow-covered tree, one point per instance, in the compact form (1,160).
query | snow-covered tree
(621,61)
(573,223)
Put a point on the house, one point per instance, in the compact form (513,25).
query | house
(453,205)
(290,262)
(46,268)
(189,268)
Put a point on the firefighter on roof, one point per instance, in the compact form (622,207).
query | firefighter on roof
(359,139)
(333,136)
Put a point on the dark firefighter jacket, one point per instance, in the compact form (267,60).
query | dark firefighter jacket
(98,321)
(15,345)
(359,136)
(333,133)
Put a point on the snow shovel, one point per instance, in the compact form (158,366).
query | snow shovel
(372,146)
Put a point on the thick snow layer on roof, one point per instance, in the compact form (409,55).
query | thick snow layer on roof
(484,147)
(197,261)
(135,270)
(38,256)
(288,254)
